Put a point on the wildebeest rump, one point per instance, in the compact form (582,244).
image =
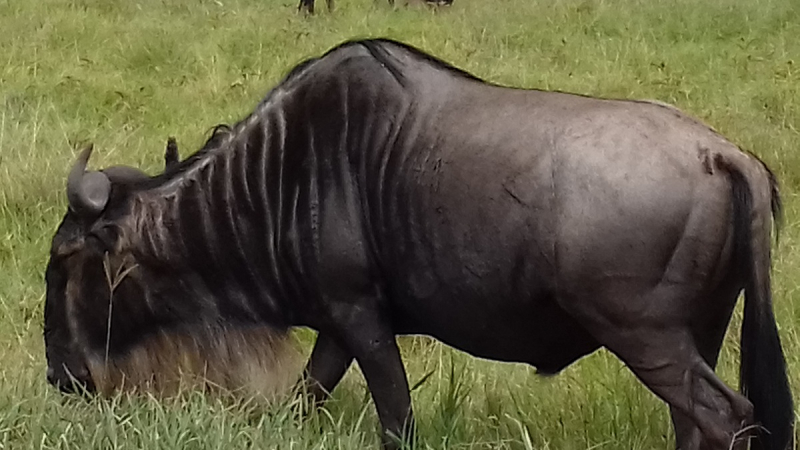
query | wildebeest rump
(378,191)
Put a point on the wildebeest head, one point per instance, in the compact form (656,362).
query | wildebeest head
(82,250)
(116,314)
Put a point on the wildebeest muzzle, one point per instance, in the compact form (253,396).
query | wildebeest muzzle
(70,377)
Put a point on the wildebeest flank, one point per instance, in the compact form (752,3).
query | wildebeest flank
(378,191)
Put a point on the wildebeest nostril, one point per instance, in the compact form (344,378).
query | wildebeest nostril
(71,382)
(74,385)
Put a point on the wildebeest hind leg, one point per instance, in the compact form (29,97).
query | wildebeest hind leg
(708,334)
(306,6)
(668,362)
(326,367)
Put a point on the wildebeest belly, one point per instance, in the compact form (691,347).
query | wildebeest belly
(533,331)
(473,267)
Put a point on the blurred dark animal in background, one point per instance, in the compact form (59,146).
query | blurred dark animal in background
(307,6)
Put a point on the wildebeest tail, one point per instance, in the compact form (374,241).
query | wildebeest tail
(763,367)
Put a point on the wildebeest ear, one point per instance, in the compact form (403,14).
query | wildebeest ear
(171,155)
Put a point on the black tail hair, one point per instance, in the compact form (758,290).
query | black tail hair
(763,367)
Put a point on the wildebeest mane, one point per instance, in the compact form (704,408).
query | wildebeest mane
(376,47)
(299,68)
(222,132)
(218,135)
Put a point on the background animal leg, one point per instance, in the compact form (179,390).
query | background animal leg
(306,5)
(326,367)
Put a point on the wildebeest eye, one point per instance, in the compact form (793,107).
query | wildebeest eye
(105,237)
(66,249)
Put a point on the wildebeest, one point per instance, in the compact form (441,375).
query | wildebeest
(308,5)
(379,191)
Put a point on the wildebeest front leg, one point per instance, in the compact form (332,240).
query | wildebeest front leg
(370,339)
(326,367)
(306,6)
(379,359)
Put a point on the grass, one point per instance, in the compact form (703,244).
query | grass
(125,75)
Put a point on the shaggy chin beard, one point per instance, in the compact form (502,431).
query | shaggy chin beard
(253,361)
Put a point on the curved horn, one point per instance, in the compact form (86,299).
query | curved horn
(87,192)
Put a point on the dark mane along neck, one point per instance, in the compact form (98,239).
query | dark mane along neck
(213,219)
(243,214)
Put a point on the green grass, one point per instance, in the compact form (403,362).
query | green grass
(125,75)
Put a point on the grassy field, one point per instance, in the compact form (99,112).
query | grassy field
(125,75)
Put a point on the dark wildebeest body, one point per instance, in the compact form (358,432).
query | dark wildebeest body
(308,5)
(377,191)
